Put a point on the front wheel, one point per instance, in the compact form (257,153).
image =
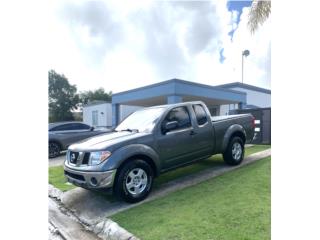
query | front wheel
(54,149)
(134,181)
(235,152)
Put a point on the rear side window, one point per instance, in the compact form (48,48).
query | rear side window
(71,126)
(63,127)
(80,126)
(181,115)
(200,114)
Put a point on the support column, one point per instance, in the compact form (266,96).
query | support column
(115,114)
(174,99)
(242,105)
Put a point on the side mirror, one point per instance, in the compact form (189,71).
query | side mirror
(92,128)
(170,126)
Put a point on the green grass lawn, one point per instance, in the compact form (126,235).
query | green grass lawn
(57,179)
(235,205)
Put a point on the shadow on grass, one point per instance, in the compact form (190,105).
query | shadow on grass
(208,163)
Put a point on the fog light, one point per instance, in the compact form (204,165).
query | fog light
(94,181)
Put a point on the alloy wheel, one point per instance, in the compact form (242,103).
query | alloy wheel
(136,181)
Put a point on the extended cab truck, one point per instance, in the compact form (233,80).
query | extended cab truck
(154,140)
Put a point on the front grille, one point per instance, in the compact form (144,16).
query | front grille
(85,159)
(75,176)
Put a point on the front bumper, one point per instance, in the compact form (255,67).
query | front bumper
(91,180)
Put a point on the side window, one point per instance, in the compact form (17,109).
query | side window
(200,114)
(79,126)
(179,114)
(63,127)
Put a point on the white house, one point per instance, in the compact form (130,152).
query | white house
(256,97)
(99,113)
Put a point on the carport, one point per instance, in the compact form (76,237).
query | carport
(175,91)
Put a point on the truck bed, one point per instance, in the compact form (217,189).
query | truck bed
(227,117)
(222,123)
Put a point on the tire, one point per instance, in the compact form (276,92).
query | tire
(54,149)
(235,152)
(134,181)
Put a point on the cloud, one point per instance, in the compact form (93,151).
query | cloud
(93,26)
(174,32)
(119,45)
(257,64)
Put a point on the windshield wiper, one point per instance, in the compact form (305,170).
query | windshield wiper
(129,130)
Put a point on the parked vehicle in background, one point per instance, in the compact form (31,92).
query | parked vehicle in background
(152,141)
(63,134)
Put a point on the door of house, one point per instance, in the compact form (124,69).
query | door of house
(95,118)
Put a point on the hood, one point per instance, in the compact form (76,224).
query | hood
(105,141)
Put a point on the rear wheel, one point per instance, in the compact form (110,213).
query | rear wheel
(235,151)
(54,149)
(134,181)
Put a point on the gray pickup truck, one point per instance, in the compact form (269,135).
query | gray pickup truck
(152,141)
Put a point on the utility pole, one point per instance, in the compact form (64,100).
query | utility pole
(244,53)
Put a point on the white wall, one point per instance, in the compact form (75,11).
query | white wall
(104,114)
(224,109)
(256,98)
(105,119)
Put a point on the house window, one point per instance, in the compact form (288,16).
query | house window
(214,111)
(95,118)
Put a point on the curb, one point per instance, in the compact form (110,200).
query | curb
(110,230)
(106,229)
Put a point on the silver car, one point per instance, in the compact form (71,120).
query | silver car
(63,134)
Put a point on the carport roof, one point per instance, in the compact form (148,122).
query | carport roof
(157,94)
(246,86)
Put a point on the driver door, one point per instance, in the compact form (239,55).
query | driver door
(177,145)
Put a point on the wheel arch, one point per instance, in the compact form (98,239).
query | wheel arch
(57,142)
(143,157)
(233,131)
(134,151)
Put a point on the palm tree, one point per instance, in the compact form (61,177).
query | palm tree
(259,13)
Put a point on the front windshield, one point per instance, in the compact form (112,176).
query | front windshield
(142,120)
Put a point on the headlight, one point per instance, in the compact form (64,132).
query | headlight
(98,157)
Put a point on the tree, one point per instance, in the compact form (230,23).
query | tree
(63,98)
(259,13)
(98,94)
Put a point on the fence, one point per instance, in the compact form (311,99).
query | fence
(263,123)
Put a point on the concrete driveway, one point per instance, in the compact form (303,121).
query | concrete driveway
(58,161)
(91,207)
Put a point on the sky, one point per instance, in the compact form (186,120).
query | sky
(120,45)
